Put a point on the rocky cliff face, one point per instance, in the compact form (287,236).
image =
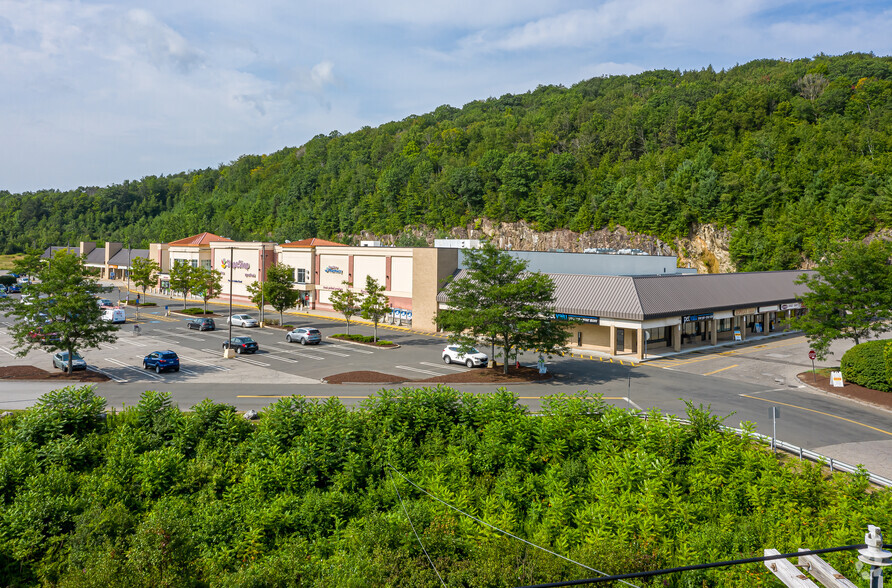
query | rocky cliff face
(705,248)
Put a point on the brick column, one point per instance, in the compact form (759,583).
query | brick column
(641,343)
(612,340)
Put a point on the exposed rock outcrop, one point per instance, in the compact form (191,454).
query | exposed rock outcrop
(705,248)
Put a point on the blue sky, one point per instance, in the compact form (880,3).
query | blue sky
(95,93)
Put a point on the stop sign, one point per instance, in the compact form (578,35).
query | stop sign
(812,354)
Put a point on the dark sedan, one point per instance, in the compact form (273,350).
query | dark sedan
(202,324)
(242,345)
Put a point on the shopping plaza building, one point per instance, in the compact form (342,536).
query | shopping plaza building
(618,303)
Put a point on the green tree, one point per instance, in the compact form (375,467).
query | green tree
(498,300)
(375,304)
(182,278)
(144,273)
(347,302)
(849,296)
(208,283)
(30,264)
(58,310)
(278,288)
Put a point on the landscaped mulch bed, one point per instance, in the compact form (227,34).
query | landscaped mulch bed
(474,376)
(30,372)
(849,390)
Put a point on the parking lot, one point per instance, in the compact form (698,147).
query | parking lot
(276,362)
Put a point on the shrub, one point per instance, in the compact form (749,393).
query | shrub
(865,365)
(7,280)
(887,355)
(272,322)
(361,339)
(194,311)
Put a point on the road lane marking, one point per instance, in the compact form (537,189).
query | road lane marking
(352,349)
(721,370)
(279,358)
(129,342)
(7,351)
(819,412)
(190,337)
(330,352)
(251,361)
(372,395)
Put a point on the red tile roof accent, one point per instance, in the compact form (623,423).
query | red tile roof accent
(314,242)
(197,240)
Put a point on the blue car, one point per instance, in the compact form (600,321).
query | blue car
(13,288)
(161,361)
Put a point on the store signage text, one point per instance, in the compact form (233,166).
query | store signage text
(745,311)
(791,306)
(236,265)
(693,318)
(250,275)
(333,269)
(592,320)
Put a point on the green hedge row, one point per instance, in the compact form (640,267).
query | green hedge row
(869,365)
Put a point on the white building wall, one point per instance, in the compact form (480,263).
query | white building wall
(374,266)
(401,276)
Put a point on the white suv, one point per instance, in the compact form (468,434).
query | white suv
(452,353)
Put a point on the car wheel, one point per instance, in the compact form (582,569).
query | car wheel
(447,359)
(469,363)
(288,338)
(157,369)
(303,341)
(238,350)
(65,369)
(176,369)
(145,366)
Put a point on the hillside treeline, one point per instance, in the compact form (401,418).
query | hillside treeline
(786,154)
(314,494)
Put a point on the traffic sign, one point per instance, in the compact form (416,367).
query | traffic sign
(811,354)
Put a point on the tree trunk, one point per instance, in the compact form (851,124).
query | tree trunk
(70,363)
(281,317)
(348,325)
(376,331)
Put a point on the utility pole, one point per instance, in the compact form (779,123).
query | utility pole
(229,352)
(262,280)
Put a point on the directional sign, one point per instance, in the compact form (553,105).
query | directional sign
(811,354)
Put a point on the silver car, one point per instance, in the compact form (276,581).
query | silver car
(243,320)
(304,336)
(60,360)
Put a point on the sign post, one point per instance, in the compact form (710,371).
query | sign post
(774,413)
(812,355)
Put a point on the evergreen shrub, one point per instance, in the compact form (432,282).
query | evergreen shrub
(865,365)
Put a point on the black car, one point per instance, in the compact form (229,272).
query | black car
(161,361)
(242,345)
(202,324)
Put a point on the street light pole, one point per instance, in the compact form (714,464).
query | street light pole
(262,280)
(231,249)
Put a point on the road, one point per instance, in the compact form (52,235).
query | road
(740,383)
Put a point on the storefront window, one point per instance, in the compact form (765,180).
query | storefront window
(301,275)
(206,263)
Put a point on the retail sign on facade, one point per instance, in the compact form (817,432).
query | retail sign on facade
(693,318)
(772,308)
(580,318)
(236,265)
(745,311)
(333,269)
(791,306)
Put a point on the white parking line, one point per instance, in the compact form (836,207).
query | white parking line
(298,353)
(108,375)
(251,361)
(190,372)
(129,342)
(330,352)
(411,369)
(133,369)
(285,359)
(444,367)
(204,363)
(190,337)
(7,351)
(351,349)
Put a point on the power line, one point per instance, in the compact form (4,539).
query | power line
(503,531)
(731,562)
(389,475)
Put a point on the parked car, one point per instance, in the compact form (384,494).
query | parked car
(114,315)
(242,345)
(42,335)
(161,361)
(453,353)
(202,324)
(13,288)
(60,360)
(243,320)
(304,336)
(104,303)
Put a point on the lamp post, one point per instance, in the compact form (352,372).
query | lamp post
(262,280)
(229,353)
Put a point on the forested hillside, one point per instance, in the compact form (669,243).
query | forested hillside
(786,154)
(311,494)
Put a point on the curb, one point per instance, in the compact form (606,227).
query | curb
(372,345)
